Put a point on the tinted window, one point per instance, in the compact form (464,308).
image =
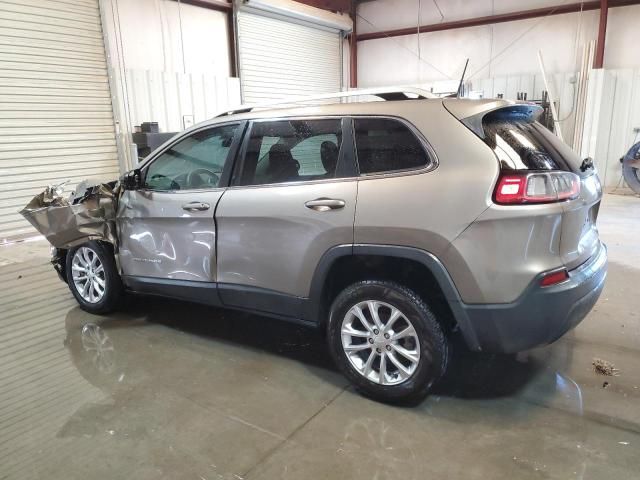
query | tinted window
(385,145)
(291,151)
(522,144)
(193,163)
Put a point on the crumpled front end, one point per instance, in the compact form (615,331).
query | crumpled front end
(89,214)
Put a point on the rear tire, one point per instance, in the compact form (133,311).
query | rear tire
(393,355)
(93,277)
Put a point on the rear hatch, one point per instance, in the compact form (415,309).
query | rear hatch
(522,146)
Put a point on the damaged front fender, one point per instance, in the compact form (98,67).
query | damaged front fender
(88,214)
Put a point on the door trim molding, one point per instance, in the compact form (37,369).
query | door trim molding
(263,301)
(199,292)
(255,300)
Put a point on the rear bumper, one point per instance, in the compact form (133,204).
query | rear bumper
(540,316)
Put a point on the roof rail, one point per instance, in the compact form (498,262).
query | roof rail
(387,93)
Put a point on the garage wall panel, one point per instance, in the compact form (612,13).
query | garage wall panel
(56,119)
(280,58)
(171,97)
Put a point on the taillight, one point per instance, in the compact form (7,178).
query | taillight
(537,187)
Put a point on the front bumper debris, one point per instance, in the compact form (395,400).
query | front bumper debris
(90,214)
(58,260)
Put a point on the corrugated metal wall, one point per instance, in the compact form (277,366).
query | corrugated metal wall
(612,121)
(56,120)
(280,58)
(167,97)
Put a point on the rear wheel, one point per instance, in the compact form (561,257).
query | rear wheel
(93,277)
(386,341)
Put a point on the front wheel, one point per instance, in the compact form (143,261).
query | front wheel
(384,338)
(93,277)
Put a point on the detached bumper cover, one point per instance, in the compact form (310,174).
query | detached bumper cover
(541,315)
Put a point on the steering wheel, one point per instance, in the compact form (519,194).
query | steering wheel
(173,185)
(195,176)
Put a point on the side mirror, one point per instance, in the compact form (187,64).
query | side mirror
(132,180)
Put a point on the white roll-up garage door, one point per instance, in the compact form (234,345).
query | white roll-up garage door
(280,58)
(56,120)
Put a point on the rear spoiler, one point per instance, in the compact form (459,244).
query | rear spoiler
(472,112)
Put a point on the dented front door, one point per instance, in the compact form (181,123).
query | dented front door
(168,235)
(167,229)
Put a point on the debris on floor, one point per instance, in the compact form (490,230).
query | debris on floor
(604,367)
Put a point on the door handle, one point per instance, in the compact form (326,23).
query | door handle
(196,206)
(325,204)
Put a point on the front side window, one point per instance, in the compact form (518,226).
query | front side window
(292,151)
(195,162)
(387,145)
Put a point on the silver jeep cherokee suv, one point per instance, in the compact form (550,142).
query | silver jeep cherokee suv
(390,224)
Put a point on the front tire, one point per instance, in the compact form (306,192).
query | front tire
(93,278)
(386,341)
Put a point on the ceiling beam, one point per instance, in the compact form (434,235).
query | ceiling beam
(220,5)
(493,19)
(332,5)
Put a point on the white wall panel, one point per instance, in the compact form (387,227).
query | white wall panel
(622,38)
(168,59)
(511,46)
(166,97)
(165,35)
(612,120)
(56,120)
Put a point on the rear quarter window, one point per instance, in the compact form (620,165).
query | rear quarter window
(387,145)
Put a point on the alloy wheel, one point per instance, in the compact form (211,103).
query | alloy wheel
(88,275)
(380,342)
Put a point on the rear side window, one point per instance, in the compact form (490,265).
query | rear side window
(387,145)
(286,151)
(522,144)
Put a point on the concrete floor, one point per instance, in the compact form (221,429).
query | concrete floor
(178,391)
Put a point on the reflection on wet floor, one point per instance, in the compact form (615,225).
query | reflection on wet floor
(166,389)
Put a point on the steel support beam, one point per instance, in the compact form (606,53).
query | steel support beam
(598,61)
(493,19)
(353,47)
(220,5)
(232,40)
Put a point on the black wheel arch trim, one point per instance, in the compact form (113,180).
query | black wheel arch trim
(313,308)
